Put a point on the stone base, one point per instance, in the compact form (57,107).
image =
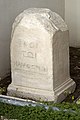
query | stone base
(58,95)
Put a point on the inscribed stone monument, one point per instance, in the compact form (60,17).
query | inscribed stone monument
(40,56)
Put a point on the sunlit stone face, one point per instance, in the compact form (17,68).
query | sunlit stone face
(32,58)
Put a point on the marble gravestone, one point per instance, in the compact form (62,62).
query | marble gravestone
(40,56)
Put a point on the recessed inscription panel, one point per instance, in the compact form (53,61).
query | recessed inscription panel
(31,59)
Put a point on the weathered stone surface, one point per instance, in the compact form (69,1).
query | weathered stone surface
(40,56)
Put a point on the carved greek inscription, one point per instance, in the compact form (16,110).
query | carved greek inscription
(28,49)
(29,54)
(30,67)
(31,45)
(24,43)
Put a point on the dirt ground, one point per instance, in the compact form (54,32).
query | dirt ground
(74,73)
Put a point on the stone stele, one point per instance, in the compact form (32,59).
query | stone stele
(40,56)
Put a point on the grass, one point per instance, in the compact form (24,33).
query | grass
(40,113)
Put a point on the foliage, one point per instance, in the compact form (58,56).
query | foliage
(39,113)
(2,90)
